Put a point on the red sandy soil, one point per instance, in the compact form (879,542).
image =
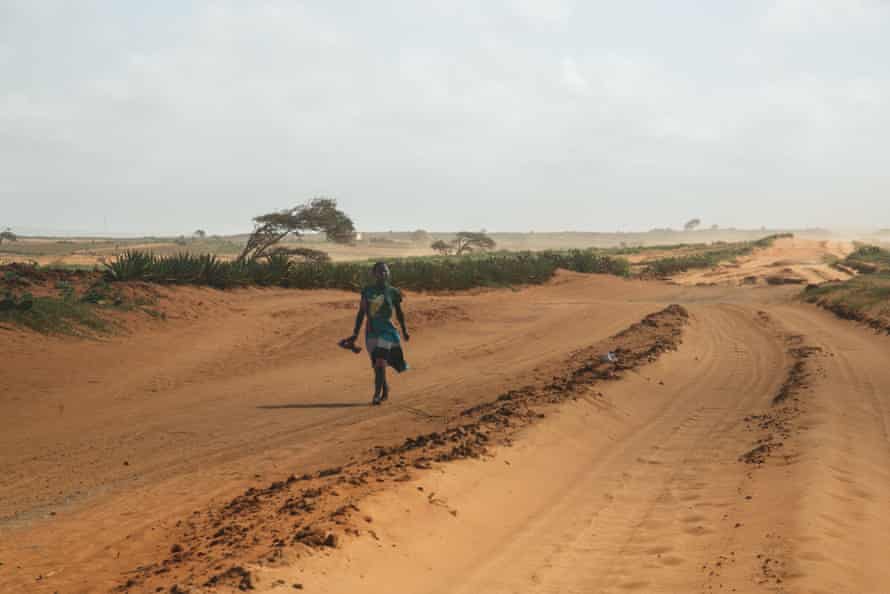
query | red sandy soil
(753,458)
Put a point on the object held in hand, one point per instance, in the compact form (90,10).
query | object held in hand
(349,344)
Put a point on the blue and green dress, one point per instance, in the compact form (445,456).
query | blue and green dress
(381,336)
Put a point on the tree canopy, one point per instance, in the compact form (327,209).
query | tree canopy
(692,224)
(319,214)
(307,254)
(464,243)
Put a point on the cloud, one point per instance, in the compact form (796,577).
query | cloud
(544,12)
(426,114)
(812,16)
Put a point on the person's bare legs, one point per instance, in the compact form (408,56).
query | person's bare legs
(381,389)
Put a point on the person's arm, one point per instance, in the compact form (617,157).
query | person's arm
(400,315)
(359,318)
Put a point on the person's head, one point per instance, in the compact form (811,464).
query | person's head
(380,272)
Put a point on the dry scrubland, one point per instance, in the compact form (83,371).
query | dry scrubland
(88,252)
(201,440)
(58,299)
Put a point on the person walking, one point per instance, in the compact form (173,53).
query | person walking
(378,303)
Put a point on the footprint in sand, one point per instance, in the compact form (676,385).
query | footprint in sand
(862,494)
(698,531)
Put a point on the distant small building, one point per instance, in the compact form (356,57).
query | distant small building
(358,236)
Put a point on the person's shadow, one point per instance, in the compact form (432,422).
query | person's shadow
(315,405)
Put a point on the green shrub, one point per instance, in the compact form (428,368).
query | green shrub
(588,261)
(428,273)
(131,265)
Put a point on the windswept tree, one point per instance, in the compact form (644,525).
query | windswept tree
(692,224)
(469,241)
(8,235)
(464,243)
(319,214)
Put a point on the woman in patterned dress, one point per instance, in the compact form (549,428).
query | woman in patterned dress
(379,301)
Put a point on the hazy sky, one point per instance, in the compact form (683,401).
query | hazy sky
(167,116)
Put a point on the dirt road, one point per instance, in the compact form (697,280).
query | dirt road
(105,446)
(125,437)
(660,491)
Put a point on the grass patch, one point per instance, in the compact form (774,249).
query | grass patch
(52,315)
(869,259)
(74,307)
(860,292)
(865,298)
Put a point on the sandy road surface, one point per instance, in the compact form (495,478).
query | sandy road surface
(104,445)
(642,491)
(801,260)
(649,493)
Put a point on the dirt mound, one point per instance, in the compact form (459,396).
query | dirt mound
(776,424)
(846,312)
(864,299)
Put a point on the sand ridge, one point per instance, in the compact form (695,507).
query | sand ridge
(787,261)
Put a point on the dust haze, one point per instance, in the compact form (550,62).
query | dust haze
(515,116)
